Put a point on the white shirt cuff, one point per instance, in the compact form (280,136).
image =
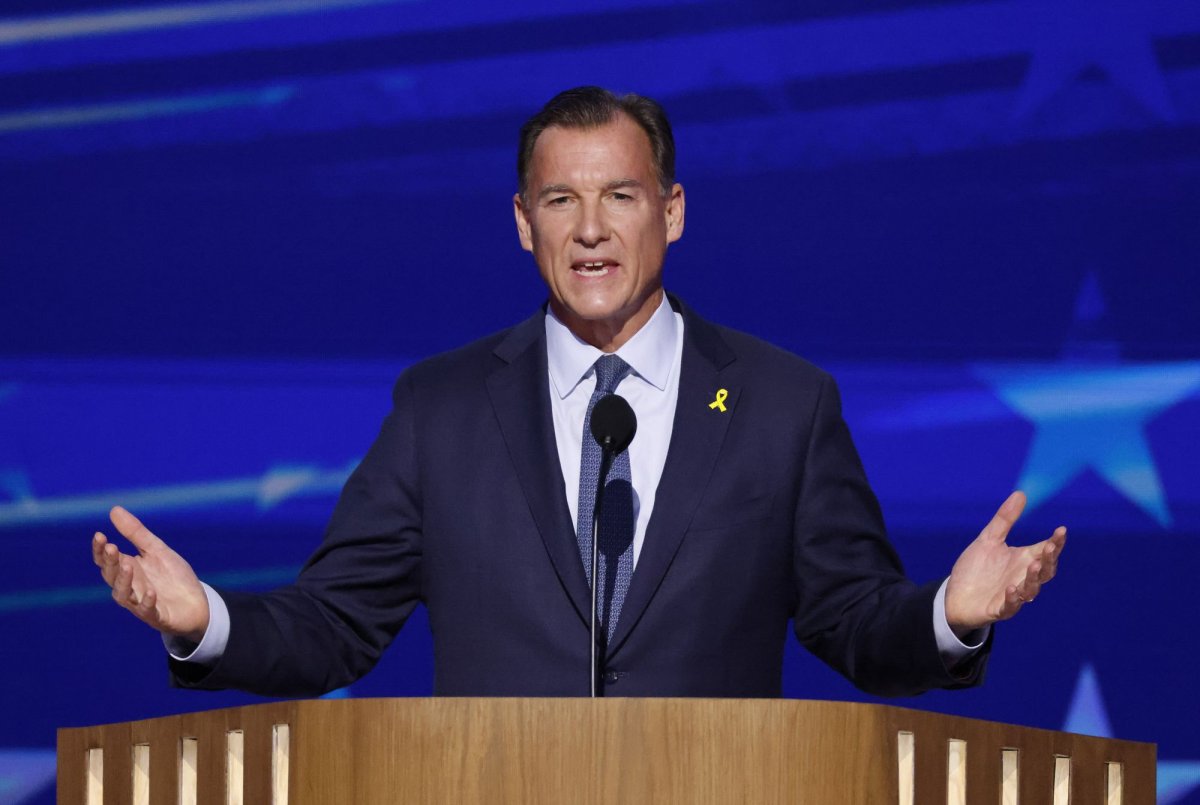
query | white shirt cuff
(212,645)
(952,649)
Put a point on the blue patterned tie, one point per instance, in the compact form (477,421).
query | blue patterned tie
(616,508)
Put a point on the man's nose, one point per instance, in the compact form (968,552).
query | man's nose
(591,227)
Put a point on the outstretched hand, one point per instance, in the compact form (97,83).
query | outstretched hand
(992,580)
(157,584)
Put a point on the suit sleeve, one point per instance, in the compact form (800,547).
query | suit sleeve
(855,608)
(355,592)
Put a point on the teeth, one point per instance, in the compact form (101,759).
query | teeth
(593,268)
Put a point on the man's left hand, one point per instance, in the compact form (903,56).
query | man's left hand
(992,580)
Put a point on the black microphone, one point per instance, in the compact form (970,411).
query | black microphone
(613,427)
(613,424)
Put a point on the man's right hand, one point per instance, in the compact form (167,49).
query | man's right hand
(157,585)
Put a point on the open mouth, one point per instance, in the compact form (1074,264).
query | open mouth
(593,268)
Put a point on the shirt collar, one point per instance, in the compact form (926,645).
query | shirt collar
(650,352)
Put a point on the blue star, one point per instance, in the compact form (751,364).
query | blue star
(1089,410)
(25,772)
(1091,416)
(1112,35)
(1177,779)
(1088,716)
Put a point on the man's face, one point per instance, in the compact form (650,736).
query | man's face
(598,226)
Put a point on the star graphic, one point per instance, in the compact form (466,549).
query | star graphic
(1090,410)
(25,772)
(1093,416)
(1070,36)
(1087,715)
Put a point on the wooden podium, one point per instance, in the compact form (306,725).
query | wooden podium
(329,752)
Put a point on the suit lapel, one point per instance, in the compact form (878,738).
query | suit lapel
(696,438)
(520,396)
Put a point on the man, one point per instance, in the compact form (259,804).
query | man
(740,505)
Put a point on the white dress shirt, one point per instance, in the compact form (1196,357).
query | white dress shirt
(655,354)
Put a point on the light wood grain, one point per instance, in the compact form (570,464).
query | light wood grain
(1010,776)
(1115,793)
(906,770)
(1062,781)
(235,755)
(366,751)
(95,776)
(956,772)
(141,774)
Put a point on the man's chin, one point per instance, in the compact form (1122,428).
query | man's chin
(606,310)
(602,327)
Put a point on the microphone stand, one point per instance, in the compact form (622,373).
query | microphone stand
(613,425)
(606,457)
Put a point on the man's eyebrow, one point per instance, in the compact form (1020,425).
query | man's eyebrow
(615,184)
(551,189)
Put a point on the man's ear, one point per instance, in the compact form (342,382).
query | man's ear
(675,209)
(524,227)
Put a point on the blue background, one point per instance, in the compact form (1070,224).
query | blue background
(225,228)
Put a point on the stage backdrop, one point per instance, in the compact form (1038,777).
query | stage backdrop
(226,227)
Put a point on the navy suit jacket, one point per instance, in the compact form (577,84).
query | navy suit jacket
(763,516)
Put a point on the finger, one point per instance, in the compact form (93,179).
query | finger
(110,559)
(132,529)
(1054,545)
(998,528)
(1031,585)
(98,543)
(1049,562)
(147,607)
(132,586)
(1012,603)
(1058,539)
(1048,552)
(1048,571)
(122,583)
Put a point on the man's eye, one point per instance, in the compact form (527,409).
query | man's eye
(622,197)
(558,201)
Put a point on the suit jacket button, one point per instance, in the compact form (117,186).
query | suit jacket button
(612,676)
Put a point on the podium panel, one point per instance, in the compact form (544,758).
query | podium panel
(592,751)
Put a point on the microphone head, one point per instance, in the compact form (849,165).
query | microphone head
(613,423)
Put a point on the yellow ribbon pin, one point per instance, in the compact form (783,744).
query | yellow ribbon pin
(719,403)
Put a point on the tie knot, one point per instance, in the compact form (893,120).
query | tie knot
(610,370)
